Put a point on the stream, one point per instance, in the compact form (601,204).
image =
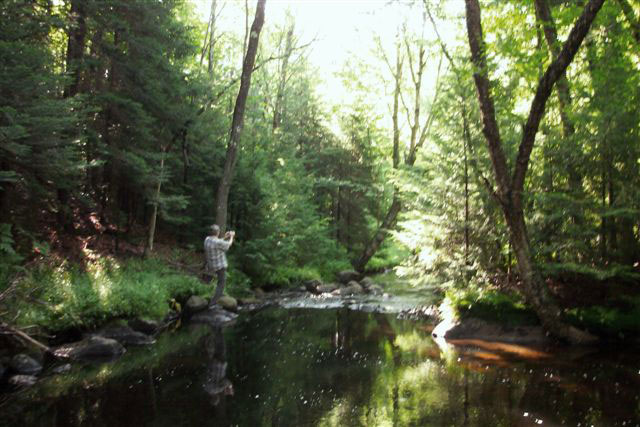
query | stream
(315,362)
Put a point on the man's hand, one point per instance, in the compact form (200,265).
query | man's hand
(229,235)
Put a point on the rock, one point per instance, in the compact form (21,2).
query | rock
(347,276)
(146,326)
(25,365)
(259,293)
(94,347)
(420,313)
(327,289)
(62,369)
(374,290)
(353,288)
(367,282)
(23,380)
(195,304)
(228,303)
(472,328)
(215,317)
(312,286)
(125,335)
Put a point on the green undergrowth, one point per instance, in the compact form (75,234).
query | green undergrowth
(57,296)
(492,305)
(619,322)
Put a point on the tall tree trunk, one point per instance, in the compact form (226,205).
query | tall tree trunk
(75,49)
(277,108)
(238,117)
(391,217)
(510,188)
(154,208)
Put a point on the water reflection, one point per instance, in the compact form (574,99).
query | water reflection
(338,368)
(216,383)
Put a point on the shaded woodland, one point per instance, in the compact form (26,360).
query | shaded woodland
(508,160)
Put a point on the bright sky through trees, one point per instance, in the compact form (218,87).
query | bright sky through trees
(342,30)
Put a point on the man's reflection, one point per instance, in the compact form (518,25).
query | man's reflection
(216,383)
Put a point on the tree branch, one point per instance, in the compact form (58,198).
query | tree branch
(545,86)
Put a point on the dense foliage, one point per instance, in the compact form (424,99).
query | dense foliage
(114,112)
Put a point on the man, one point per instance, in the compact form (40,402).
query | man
(216,260)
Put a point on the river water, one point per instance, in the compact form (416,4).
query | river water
(335,367)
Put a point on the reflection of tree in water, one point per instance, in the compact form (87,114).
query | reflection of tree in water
(216,383)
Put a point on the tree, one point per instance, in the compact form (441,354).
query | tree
(238,117)
(510,187)
(419,127)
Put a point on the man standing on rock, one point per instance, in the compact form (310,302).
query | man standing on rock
(216,259)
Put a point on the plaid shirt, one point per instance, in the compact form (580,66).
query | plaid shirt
(214,250)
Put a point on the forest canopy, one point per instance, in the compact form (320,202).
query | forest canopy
(469,144)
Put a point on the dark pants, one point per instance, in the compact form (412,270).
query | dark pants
(221,276)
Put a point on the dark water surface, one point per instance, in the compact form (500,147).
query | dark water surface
(335,367)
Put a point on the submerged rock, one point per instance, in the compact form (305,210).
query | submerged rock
(25,365)
(195,304)
(345,277)
(125,335)
(215,317)
(146,326)
(94,347)
(23,380)
(473,328)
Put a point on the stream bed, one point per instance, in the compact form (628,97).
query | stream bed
(336,366)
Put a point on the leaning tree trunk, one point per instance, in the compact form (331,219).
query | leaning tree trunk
(238,117)
(510,188)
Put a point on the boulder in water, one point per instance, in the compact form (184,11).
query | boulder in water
(94,347)
(352,288)
(25,365)
(312,286)
(473,328)
(215,316)
(327,289)
(23,380)
(367,282)
(146,326)
(125,335)
(374,290)
(346,276)
(228,303)
(195,304)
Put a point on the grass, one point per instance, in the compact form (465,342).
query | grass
(61,295)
